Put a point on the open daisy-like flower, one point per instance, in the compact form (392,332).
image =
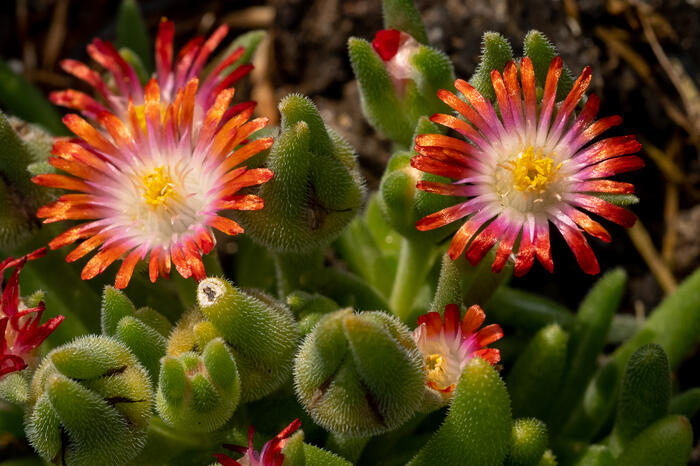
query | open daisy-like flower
(448,345)
(171,76)
(530,166)
(154,185)
(20,332)
(270,455)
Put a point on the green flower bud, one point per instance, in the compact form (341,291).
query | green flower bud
(317,188)
(21,145)
(359,374)
(89,403)
(402,204)
(199,392)
(528,442)
(143,331)
(478,426)
(644,395)
(668,441)
(260,333)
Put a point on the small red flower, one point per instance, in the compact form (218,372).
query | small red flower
(20,332)
(270,455)
(448,345)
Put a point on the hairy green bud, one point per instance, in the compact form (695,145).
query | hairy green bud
(143,331)
(260,332)
(359,374)
(89,403)
(317,188)
(199,392)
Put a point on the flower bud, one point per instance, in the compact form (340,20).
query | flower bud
(260,333)
(317,187)
(309,308)
(89,403)
(359,374)
(21,145)
(199,392)
(402,204)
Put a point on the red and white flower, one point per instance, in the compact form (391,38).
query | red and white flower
(448,345)
(396,48)
(154,184)
(20,332)
(532,165)
(270,455)
(170,75)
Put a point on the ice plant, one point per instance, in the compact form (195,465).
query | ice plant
(20,332)
(533,165)
(270,455)
(447,345)
(154,185)
(171,76)
(396,49)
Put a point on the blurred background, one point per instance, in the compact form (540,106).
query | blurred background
(645,57)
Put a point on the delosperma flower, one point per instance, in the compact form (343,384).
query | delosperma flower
(447,345)
(532,165)
(171,76)
(270,455)
(20,332)
(154,185)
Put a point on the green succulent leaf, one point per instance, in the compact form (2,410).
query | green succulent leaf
(404,16)
(536,377)
(496,51)
(668,441)
(644,395)
(541,51)
(132,32)
(478,426)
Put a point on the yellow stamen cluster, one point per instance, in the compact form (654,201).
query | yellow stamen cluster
(532,170)
(435,363)
(157,186)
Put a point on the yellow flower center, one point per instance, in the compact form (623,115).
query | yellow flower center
(157,186)
(435,363)
(532,170)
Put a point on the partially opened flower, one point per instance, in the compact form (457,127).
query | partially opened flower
(396,48)
(20,332)
(533,165)
(154,186)
(270,455)
(171,75)
(447,345)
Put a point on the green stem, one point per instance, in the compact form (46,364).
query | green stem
(415,261)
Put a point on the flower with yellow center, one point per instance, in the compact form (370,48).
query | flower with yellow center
(447,345)
(533,165)
(154,188)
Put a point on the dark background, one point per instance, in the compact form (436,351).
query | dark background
(645,58)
